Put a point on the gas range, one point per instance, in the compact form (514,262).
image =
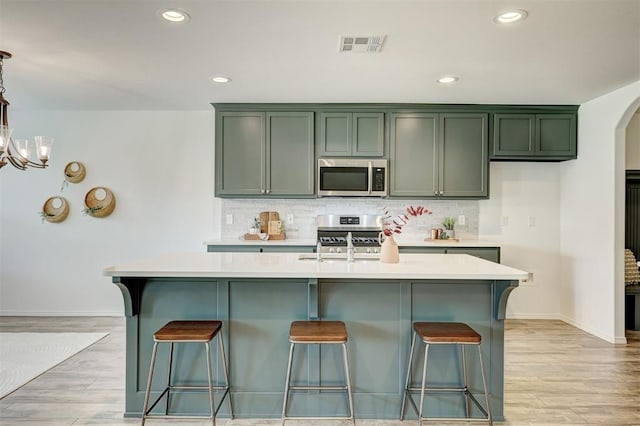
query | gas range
(333,229)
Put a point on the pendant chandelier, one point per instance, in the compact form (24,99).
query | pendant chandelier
(17,152)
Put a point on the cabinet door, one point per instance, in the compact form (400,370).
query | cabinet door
(368,134)
(556,136)
(463,157)
(336,134)
(290,154)
(240,153)
(513,134)
(413,154)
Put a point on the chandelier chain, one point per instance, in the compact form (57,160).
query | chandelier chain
(2,89)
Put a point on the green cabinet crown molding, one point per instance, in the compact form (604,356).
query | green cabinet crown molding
(396,107)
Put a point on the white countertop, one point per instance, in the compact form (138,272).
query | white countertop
(288,265)
(309,242)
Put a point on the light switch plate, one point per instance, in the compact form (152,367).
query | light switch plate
(229,219)
(462,220)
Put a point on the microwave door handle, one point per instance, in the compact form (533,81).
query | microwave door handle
(370,177)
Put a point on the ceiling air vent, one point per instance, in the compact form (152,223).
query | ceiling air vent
(369,44)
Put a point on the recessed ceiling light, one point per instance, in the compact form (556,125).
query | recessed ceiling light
(448,79)
(174,15)
(510,16)
(220,79)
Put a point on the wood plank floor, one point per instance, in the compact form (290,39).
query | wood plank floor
(555,374)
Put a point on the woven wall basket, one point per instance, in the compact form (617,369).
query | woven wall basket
(74,172)
(55,209)
(99,202)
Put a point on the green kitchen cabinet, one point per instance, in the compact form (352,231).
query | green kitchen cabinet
(351,134)
(443,155)
(534,137)
(254,152)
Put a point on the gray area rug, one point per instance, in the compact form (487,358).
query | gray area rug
(25,356)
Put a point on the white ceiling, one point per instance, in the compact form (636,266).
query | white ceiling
(118,54)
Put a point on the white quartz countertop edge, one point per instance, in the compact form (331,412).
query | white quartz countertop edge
(308,242)
(287,265)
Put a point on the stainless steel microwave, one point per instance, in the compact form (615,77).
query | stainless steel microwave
(352,177)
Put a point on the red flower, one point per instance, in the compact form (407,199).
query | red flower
(394,225)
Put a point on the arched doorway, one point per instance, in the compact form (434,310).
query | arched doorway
(620,179)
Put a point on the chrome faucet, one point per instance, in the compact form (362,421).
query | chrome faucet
(349,247)
(319,252)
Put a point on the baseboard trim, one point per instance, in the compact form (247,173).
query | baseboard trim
(533,316)
(5,313)
(611,339)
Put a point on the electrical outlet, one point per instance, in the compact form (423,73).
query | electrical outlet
(505,220)
(532,221)
(462,220)
(229,219)
(290,219)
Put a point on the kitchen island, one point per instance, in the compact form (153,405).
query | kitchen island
(257,295)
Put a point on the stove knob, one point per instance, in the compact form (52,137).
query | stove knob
(338,250)
(331,250)
(369,250)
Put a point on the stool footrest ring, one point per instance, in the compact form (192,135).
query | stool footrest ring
(340,388)
(463,390)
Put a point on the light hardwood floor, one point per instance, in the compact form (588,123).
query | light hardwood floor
(555,374)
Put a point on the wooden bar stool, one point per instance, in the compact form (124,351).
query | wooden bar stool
(318,332)
(188,332)
(445,333)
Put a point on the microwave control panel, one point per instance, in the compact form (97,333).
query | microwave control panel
(378,179)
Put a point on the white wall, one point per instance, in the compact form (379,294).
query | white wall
(160,167)
(592,217)
(632,157)
(522,216)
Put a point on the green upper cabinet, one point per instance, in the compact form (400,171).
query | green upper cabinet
(254,152)
(438,155)
(534,137)
(351,134)
(413,154)
(464,155)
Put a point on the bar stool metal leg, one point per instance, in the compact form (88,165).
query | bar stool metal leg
(407,382)
(464,379)
(166,405)
(348,380)
(424,383)
(225,369)
(286,384)
(484,385)
(210,380)
(148,391)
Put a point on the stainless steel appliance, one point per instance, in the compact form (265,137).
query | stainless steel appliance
(352,177)
(333,231)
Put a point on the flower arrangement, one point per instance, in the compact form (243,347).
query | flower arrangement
(393,225)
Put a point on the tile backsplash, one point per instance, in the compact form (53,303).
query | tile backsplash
(304,212)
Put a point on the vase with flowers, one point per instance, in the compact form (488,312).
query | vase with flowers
(389,252)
